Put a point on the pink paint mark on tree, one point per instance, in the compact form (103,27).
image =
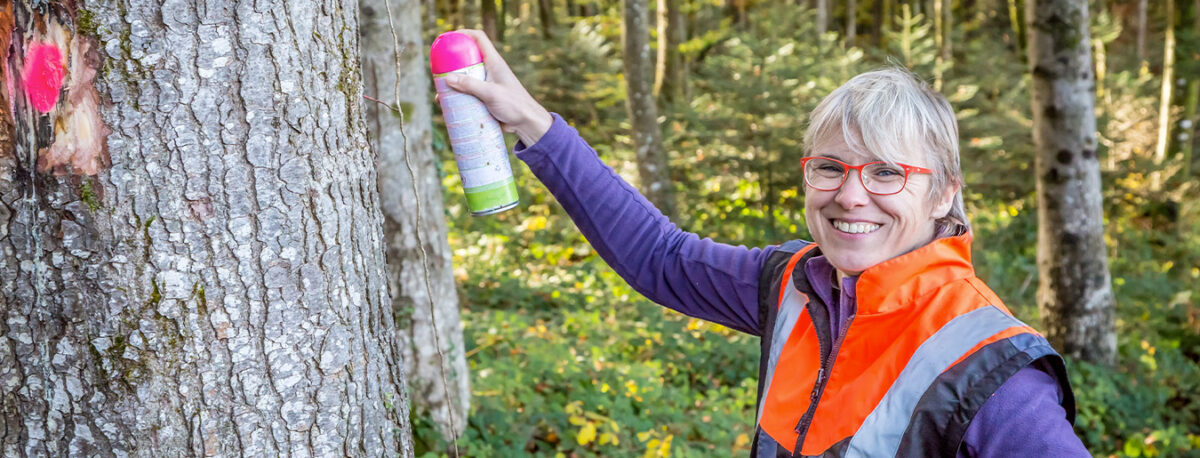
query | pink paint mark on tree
(44,74)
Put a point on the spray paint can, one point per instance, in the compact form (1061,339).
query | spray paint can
(475,136)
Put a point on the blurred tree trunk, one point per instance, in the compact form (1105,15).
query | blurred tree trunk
(851,22)
(1140,29)
(512,9)
(487,14)
(939,39)
(1018,38)
(501,20)
(1164,107)
(570,8)
(546,14)
(1188,137)
(1074,292)
(410,297)
(204,276)
(947,30)
(468,11)
(670,79)
(735,10)
(654,176)
(822,19)
(883,21)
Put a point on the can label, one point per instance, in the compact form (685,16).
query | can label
(478,145)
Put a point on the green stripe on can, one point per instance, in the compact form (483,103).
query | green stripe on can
(492,198)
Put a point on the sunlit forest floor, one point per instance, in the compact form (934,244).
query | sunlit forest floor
(567,360)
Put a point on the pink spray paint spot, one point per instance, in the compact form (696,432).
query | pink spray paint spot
(43,76)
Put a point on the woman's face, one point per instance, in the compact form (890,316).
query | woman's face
(856,229)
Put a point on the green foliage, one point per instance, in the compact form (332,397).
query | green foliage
(567,360)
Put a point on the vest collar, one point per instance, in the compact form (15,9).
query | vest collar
(900,281)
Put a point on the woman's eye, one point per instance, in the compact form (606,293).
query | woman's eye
(887,172)
(830,168)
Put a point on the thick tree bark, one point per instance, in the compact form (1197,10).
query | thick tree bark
(410,297)
(670,79)
(1074,294)
(653,173)
(220,289)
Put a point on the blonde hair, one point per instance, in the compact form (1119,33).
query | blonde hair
(888,114)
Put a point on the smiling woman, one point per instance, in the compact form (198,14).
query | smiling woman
(878,339)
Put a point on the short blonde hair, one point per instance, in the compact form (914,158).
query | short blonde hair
(888,113)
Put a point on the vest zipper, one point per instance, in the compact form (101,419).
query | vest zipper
(819,387)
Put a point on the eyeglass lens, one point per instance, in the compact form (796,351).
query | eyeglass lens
(878,178)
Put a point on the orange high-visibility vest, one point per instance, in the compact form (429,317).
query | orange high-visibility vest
(926,346)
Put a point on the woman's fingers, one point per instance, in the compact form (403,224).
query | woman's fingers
(485,91)
(497,68)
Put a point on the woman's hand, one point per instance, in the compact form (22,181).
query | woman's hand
(504,96)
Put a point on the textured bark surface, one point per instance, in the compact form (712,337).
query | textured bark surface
(670,79)
(653,174)
(221,289)
(410,297)
(1074,293)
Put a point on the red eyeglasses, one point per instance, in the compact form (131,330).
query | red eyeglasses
(878,177)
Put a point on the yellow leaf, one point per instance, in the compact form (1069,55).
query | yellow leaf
(576,420)
(651,449)
(742,440)
(605,438)
(586,434)
(604,388)
(643,436)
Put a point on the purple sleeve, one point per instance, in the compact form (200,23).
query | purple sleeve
(1023,418)
(698,277)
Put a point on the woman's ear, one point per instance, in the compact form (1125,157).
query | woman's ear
(944,201)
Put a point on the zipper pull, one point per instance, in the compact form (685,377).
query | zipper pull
(812,397)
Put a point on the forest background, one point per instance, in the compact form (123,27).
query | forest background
(565,359)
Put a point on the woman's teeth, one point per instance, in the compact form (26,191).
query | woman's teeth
(855,228)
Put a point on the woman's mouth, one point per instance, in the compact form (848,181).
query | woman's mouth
(854,228)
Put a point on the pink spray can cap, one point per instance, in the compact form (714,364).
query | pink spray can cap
(451,51)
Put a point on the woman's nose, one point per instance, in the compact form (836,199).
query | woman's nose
(852,193)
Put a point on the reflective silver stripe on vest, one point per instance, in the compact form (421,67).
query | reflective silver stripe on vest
(790,310)
(881,432)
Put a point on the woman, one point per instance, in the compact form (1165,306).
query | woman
(877,339)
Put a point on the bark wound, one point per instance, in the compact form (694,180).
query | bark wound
(45,58)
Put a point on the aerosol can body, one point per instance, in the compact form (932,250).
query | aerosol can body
(475,136)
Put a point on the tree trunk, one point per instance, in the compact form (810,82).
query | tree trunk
(1018,38)
(501,19)
(822,19)
(1168,81)
(410,297)
(546,14)
(217,285)
(653,173)
(670,79)
(947,30)
(487,13)
(851,22)
(1074,293)
(512,9)
(1188,137)
(1140,29)
(468,11)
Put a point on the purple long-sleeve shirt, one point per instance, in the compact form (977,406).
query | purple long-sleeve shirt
(719,283)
